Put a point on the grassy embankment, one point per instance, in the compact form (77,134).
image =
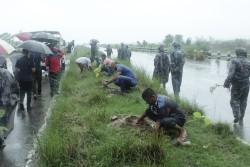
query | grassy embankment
(80,134)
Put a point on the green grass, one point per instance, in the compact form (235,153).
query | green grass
(80,134)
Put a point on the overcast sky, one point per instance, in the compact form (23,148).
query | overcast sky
(128,21)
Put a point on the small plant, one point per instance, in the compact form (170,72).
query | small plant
(197,115)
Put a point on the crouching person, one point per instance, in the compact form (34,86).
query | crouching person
(84,63)
(165,112)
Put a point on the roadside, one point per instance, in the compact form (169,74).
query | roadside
(81,134)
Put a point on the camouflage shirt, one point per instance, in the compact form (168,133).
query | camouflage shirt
(239,71)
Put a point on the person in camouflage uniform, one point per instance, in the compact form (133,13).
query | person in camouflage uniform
(238,80)
(177,60)
(109,51)
(121,52)
(9,97)
(162,66)
(93,48)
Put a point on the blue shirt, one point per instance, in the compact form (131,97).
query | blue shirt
(166,107)
(125,71)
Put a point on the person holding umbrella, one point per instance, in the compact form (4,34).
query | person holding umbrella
(53,65)
(24,69)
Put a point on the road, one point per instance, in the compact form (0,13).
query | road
(26,126)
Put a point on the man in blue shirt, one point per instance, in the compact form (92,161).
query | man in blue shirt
(164,111)
(124,77)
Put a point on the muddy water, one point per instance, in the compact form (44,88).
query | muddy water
(198,79)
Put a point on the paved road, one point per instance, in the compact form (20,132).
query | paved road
(26,126)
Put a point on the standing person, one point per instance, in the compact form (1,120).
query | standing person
(109,51)
(37,75)
(107,64)
(93,49)
(238,80)
(9,94)
(128,53)
(121,52)
(124,77)
(53,64)
(162,66)
(83,63)
(177,61)
(71,46)
(24,69)
(164,111)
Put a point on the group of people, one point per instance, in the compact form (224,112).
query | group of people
(163,66)
(162,109)
(124,52)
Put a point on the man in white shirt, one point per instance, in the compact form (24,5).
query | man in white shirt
(83,63)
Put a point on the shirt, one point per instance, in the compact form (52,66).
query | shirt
(107,61)
(25,65)
(84,60)
(125,71)
(166,107)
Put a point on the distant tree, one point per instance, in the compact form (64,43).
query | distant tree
(188,41)
(144,43)
(138,43)
(9,38)
(240,42)
(202,44)
(178,38)
(169,39)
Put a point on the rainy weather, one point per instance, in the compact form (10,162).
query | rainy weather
(163,84)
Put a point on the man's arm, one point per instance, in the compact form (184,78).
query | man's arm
(141,118)
(230,76)
(113,79)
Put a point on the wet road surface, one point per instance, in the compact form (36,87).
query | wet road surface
(26,125)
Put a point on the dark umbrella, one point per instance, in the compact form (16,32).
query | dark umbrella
(94,41)
(44,37)
(35,46)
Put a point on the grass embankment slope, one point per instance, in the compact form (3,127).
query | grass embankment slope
(80,134)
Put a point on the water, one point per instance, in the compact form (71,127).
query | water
(198,78)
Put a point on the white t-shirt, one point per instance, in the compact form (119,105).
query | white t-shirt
(84,60)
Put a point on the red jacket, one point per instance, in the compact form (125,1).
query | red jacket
(53,61)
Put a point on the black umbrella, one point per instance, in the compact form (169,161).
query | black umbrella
(36,46)
(94,41)
(44,37)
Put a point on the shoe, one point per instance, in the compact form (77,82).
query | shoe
(236,120)
(21,107)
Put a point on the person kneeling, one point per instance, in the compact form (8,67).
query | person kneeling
(165,112)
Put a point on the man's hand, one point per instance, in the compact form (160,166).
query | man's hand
(106,82)
(137,121)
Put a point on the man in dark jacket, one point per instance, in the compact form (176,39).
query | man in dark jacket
(162,66)
(238,80)
(165,112)
(24,69)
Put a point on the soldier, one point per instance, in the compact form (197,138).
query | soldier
(238,80)
(121,52)
(128,53)
(93,48)
(177,60)
(109,51)
(162,66)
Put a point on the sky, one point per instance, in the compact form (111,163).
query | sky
(128,21)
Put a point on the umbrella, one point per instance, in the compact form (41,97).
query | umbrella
(5,47)
(24,36)
(44,37)
(94,41)
(35,46)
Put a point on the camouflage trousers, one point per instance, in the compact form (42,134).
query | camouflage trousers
(238,102)
(54,80)
(176,82)
(161,75)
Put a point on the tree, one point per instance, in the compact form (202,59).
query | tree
(169,39)
(178,38)
(138,43)
(144,43)
(188,41)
